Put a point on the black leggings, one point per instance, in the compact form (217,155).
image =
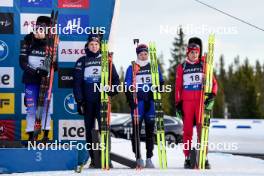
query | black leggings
(150,138)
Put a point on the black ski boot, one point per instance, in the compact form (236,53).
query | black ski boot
(92,164)
(45,138)
(187,163)
(207,164)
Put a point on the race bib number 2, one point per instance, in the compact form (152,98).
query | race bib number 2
(92,74)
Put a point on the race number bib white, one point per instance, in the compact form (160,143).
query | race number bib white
(36,61)
(192,79)
(143,79)
(92,74)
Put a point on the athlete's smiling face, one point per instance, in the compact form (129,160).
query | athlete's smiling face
(143,55)
(94,46)
(193,55)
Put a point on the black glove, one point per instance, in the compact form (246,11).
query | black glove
(112,93)
(25,101)
(81,108)
(179,111)
(132,105)
(146,106)
(42,72)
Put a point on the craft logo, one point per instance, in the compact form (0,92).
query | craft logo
(73,3)
(7,130)
(65,77)
(70,51)
(36,3)
(6,77)
(73,24)
(7,103)
(28,21)
(6,3)
(70,104)
(71,130)
(24,135)
(3,50)
(6,23)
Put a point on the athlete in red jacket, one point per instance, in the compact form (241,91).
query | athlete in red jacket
(188,93)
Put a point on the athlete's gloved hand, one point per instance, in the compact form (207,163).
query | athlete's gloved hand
(81,108)
(147,106)
(209,101)
(112,93)
(42,72)
(179,111)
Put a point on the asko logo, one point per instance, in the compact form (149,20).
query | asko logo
(28,21)
(35,3)
(73,3)
(70,51)
(71,130)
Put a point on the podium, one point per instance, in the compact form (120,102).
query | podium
(14,160)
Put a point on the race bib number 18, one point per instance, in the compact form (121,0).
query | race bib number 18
(192,80)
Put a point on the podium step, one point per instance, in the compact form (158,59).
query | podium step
(15,160)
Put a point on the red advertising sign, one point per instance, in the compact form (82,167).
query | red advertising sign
(7,130)
(73,3)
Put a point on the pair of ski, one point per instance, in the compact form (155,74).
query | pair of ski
(160,133)
(105,110)
(198,158)
(47,82)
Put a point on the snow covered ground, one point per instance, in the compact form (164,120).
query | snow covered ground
(222,164)
(248,139)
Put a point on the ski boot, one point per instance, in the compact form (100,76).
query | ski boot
(207,164)
(140,163)
(149,164)
(187,163)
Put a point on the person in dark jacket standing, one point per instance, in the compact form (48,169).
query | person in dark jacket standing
(32,58)
(87,75)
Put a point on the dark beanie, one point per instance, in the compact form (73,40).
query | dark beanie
(142,47)
(94,37)
(43,21)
